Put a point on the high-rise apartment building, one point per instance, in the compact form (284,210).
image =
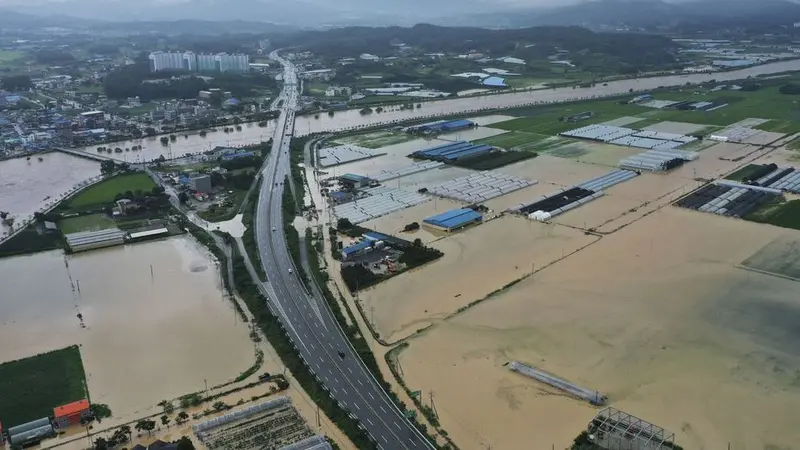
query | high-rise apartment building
(221,62)
(207,63)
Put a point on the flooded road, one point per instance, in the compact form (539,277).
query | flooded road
(146,337)
(28,186)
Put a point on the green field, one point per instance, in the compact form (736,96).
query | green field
(518,140)
(9,58)
(744,172)
(785,215)
(104,192)
(783,111)
(30,388)
(93,222)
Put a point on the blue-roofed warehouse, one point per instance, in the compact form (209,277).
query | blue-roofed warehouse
(453,151)
(453,220)
(355,249)
(444,127)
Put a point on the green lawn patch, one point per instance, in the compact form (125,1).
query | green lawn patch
(92,222)
(744,172)
(517,140)
(104,192)
(30,388)
(785,215)
(494,160)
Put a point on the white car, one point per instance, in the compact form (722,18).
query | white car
(273,228)
(290,270)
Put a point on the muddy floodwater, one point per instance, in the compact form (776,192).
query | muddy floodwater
(252,134)
(155,323)
(186,143)
(28,185)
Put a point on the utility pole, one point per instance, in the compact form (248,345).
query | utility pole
(433,406)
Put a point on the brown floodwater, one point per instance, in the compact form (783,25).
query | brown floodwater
(156,323)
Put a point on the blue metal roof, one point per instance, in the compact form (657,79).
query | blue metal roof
(374,235)
(474,151)
(454,218)
(461,123)
(495,82)
(355,248)
(444,150)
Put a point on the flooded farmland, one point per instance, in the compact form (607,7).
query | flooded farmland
(27,186)
(156,323)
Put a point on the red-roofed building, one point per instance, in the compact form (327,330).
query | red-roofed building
(71,413)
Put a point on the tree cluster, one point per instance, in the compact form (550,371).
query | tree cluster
(636,51)
(129,81)
(17,83)
(790,89)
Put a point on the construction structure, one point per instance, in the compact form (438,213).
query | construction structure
(89,240)
(30,433)
(274,424)
(593,397)
(453,220)
(613,429)
(71,413)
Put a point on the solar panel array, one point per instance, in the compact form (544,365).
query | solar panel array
(332,156)
(480,186)
(380,201)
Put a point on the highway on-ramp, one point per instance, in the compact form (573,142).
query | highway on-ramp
(308,321)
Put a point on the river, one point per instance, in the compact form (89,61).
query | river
(252,134)
(24,187)
(146,337)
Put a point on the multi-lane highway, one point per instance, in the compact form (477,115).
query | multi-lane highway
(306,317)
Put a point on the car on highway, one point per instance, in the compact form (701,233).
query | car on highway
(290,270)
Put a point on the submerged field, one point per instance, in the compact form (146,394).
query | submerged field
(30,388)
(657,316)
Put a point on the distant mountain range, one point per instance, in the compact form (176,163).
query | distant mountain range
(658,13)
(220,16)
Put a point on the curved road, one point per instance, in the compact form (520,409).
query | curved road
(306,317)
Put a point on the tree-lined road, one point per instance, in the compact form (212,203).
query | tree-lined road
(306,317)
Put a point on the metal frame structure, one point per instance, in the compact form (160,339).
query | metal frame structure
(613,429)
